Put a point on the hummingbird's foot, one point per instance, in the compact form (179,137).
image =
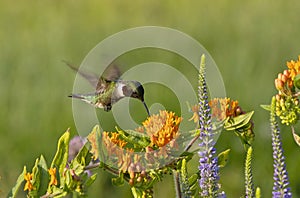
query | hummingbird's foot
(107,107)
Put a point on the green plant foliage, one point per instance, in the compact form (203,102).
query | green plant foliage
(249,189)
(137,139)
(61,157)
(223,158)
(71,177)
(297,81)
(14,191)
(257,193)
(238,122)
(242,127)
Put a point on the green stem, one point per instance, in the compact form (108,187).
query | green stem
(177,183)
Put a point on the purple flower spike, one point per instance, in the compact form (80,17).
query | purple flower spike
(209,169)
(281,187)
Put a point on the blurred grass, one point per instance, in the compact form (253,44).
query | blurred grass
(250,42)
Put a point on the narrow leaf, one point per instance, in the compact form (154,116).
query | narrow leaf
(138,139)
(44,177)
(83,157)
(183,180)
(266,107)
(91,180)
(193,179)
(14,191)
(249,189)
(257,193)
(297,81)
(93,138)
(296,136)
(118,181)
(36,180)
(61,157)
(238,121)
(223,158)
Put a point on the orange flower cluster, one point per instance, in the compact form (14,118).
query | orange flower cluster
(162,127)
(113,137)
(126,160)
(294,67)
(222,108)
(287,102)
(195,116)
(285,81)
(28,178)
(114,147)
(52,173)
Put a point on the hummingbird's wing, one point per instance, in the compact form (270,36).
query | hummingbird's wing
(92,78)
(111,74)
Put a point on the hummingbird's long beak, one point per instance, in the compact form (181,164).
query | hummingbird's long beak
(146,108)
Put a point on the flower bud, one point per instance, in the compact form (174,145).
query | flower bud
(296,102)
(131,182)
(277,97)
(131,174)
(143,173)
(284,78)
(238,111)
(286,73)
(290,83)
(138,167)
(139,179)
(279,84)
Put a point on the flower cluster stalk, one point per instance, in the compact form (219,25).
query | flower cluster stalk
(281,187)
(208,168)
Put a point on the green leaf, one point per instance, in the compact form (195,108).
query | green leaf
(83,157)
(61,157)
(257,193)
(246,137)
(266,107)
(93,138)
(90,180)
(297,81)
(194,185)
(137,193)
(118,181)
(44,176)
(36,180)
(238,121)
(223,158)
(249,189)
(193,179)
(137,139)
(183,181)
(42,163)
(77,168)
(68,179)
(296,136)
(14,191)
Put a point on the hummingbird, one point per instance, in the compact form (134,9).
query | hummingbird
(109,89)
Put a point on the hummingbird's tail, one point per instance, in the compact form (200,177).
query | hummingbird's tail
(78,96)
(88,98)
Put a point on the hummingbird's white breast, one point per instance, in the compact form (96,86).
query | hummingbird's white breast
(119,90)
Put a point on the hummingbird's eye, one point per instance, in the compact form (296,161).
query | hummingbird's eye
(134,94)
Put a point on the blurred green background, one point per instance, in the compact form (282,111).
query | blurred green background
(250,42)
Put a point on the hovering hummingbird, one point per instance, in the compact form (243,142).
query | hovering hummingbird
(109,89)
